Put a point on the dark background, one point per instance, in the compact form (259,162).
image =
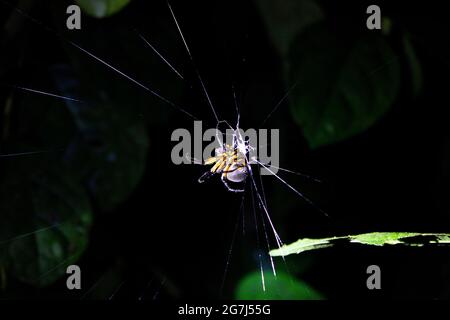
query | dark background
(155,233)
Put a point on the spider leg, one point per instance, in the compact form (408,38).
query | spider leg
(208,174)
(218,165)
(211,160)
(225,171)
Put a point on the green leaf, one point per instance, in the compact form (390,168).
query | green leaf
(111,158)
(345,84)
(285,20)
(371,239)
(45,223)
(102,8)
(113,171)
(281,287)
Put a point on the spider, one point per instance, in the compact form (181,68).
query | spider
(231,162)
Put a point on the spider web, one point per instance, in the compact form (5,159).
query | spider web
(265,230)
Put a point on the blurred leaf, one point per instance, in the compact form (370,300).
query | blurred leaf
(127,52)
(287,19)
(345,85)
(45,223)
(113,160)
(281,287)
(415,68)
(371,239)
(110,158)
(102,8)
(386,25)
